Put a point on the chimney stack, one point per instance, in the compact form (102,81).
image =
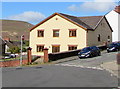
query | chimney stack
(117,9)
(6,38)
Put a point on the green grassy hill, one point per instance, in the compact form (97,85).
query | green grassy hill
(14,29)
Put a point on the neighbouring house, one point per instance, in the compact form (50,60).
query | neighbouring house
(2,46)
(10,44)
(61,32)
(113,18)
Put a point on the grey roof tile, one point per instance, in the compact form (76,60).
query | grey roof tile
(88,22)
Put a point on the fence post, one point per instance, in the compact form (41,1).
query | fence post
(45,50)
(29,54)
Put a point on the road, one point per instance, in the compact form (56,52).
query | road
(92,62)
(58,75)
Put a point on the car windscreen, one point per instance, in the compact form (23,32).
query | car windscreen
(112,45)
(86,49)
(95,48)
(118,44)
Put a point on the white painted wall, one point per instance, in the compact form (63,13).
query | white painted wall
(63,40)
(82,39)
(112,18)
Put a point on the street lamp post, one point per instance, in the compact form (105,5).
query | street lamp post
(22,38)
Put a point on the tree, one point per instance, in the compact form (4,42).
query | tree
(14,49)
(24,50)
(26,43)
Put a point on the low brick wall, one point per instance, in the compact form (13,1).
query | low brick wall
(56,56)
(60,55)
(102,47)
(12,63)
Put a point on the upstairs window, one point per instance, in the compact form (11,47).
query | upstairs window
(40,33)
(40,48)
(103,24)
(72,32)
(72,47)
(55,33)
(108,39)
(99,39)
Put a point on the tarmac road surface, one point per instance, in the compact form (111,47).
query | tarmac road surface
(94,61)
(57,76)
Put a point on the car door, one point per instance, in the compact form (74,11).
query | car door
(118,46)
(93,51)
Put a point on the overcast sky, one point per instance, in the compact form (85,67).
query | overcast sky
(34,12)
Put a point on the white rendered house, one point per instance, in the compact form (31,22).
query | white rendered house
(113,19)
(61,32)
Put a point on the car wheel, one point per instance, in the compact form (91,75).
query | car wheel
(91,55)
(117,49)
(96,54)
(99,54)
(80,57)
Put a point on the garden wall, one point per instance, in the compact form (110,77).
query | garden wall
(12,63)
(60,55)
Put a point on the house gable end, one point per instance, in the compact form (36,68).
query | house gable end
(108,24)
(53,16)
(105,21)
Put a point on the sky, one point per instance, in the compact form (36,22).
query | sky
(34,12)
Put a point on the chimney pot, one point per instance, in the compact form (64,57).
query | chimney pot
(117,9)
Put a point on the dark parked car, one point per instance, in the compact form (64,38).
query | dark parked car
(89,52)
(113,47)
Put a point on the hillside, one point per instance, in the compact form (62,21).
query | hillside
(14,29)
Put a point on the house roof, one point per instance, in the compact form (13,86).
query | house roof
(16,43)
(9,44)
(87,23)
(77,20)
(2,42)
(63,16)
(92,21)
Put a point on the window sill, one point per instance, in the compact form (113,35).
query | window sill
(72,36)
(55,37)
(40,37)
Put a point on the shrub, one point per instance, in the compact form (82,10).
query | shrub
(14,49)
(24,50)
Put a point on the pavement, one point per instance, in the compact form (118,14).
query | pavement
(111,66)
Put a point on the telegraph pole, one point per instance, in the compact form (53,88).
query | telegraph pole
(22,38)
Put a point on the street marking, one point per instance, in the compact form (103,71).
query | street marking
(96,68)
(111,72)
